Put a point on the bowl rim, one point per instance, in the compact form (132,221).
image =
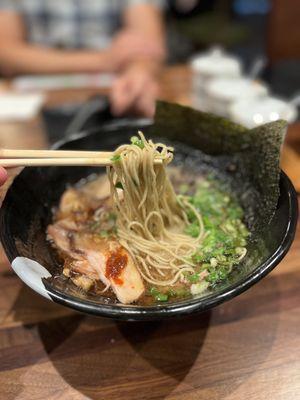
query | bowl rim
(132,312)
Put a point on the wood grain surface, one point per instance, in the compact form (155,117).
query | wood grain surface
(247,348)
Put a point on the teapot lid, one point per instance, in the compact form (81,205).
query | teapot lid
(216,62)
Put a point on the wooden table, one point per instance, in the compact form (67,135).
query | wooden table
(247,348)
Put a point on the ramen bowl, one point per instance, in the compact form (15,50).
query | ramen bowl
(27,210)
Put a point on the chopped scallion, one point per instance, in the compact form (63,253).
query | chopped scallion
(116,158)
(158,295)
(137,142)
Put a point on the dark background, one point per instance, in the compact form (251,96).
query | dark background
(247,28)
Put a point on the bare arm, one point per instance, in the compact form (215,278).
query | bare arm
(17,56)
(146,21)
(136,88)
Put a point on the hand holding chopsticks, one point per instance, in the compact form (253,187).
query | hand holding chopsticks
(43,158)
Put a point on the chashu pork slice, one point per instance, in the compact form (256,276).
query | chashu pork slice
(102,259)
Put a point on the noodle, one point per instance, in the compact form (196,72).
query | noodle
(150,217)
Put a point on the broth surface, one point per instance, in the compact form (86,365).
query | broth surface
(86,216)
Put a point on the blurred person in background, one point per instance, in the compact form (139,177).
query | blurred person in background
(73,36)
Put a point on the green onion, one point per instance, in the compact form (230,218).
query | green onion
(198,257)
(116,158)
(223,273)
(154,291)
(192,230)
(213,277)
(193,278)
(162,297)
(137,142)
(218,275)
(158,295)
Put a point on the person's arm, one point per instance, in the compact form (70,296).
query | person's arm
(142,37)
(136,88)
(145,20)
(17,56)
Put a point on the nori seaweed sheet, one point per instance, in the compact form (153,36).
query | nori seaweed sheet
(250,158)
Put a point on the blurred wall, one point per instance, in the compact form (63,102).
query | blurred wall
(284,30)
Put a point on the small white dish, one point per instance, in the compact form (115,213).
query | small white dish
(257,111)
(222,93)
(208,66)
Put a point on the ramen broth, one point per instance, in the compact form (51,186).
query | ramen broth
(85,223)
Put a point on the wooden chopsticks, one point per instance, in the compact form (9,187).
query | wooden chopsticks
(43,158)
(16,153)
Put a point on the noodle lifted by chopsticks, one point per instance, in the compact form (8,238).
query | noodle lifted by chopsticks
(150,218)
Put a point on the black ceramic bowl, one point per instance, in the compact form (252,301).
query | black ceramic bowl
(26,212)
